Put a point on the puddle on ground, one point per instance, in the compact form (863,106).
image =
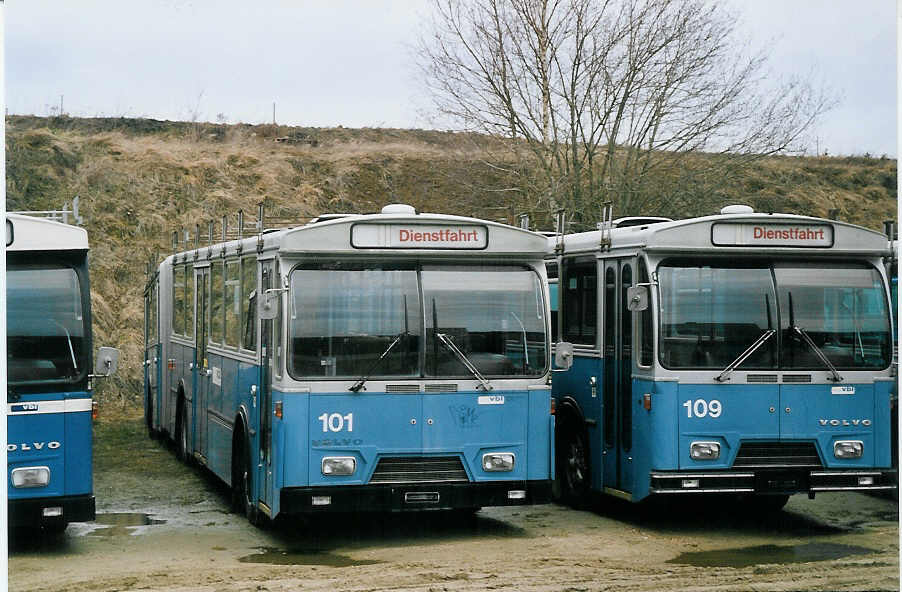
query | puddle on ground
(763,554)
(122,523)
(274,556)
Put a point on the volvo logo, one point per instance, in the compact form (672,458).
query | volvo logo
(29,446)
(844,422)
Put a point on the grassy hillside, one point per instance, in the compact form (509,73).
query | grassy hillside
(138,180)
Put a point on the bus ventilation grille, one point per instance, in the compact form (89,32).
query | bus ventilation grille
(441,388)
(767,378)
(796,378)
(777,455)
(419,469)
(402,388)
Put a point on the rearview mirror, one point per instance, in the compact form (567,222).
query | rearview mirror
(268,307)
(107,361)
(563,356)
(637,298)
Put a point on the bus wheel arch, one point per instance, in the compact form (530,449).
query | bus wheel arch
(242,475)
(572,474)
(181,427)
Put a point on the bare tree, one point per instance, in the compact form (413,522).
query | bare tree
(607,98)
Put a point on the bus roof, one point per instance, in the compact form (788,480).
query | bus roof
(27,233)
(392,234)
(735,233)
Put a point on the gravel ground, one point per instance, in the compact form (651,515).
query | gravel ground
(162,526)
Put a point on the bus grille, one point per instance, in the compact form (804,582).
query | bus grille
(777,455)
(419,469)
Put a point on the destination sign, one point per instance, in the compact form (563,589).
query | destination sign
(419,236)
(772,235)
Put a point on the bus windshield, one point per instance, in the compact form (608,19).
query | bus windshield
(712,313)
(45,325)
(362,320)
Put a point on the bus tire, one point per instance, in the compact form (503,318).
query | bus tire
(181,433)
(148,416)
(573,467)
(243,485)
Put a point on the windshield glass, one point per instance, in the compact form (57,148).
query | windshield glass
(344,318)
(842,308)
(494,315)
(711,313)
(45,326)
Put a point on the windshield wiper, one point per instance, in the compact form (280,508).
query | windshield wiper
(449,343)
(71,349)
(768,333)
(807,339)
(362,380)
(820,354)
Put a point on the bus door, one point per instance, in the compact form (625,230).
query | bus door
(203,373)
(617,383)
(268,344)
(151,352)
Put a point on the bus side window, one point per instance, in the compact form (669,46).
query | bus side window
(646,332)
(249,297)
(216,294)
(580,301)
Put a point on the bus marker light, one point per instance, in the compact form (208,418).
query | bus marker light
(553,405)
(53,512)
(646,401)
(865,480)
(339,465)
(690,483)
(516,494)
(278,410)
(95,410)
(170,364)
(704,450)
(321,500)
(25,477)
(845,449)
(498,461)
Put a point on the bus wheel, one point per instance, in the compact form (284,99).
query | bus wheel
(148,417)
(181,431)
(243,486)
(574,468)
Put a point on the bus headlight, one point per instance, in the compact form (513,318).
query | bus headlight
(498,461)
(845,449)
(339,465)
(31,477)
(704,450)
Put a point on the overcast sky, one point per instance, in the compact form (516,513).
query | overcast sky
(347,62)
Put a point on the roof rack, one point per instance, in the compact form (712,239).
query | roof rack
(58,215)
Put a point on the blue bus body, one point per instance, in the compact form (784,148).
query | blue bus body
(305,369)
(49,406)
(760,365)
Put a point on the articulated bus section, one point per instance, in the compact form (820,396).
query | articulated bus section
(396,361)
(742,354)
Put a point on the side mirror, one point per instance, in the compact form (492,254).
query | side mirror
(563,356)
(268,306)
(637,298)
(107,361)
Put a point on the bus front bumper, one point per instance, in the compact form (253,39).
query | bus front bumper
(413,497)
(48,511)
(781,481)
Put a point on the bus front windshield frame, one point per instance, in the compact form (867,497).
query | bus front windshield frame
(713,311)
(47,332)
(372,320)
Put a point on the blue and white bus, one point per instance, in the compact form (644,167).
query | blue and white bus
(394,361)
(48,400)
(742,353)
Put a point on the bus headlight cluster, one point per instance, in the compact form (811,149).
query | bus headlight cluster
(845,449)
(31,477)
(704,450)
(339,465)
(498,461)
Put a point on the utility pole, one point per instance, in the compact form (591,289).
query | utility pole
(273,112)
(61,105)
